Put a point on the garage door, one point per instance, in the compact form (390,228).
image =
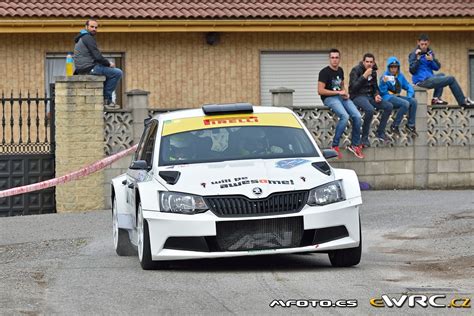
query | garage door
(294,70)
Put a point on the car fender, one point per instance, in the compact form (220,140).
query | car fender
(350,183)
(125,218)
(148,191)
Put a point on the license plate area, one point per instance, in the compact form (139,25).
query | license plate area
(274,233)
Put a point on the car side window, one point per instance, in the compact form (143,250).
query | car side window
(142,141)
(146,152)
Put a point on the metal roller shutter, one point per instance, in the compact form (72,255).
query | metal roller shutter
(294,70)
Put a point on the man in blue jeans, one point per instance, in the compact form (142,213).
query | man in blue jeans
(422,63)
(391,85)
(88,60)
(364,92)
(332,92)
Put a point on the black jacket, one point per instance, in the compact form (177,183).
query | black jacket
(358,85)
(86,53)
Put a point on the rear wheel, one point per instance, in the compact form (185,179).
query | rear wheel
(347,257)
(122,244)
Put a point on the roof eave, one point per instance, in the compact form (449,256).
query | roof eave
(54,25)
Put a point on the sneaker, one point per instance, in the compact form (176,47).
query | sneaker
(395,130)
(365,143)
(438,101)
(110,105)
(356,150)
(411,130)
(336,149)
(468,103)
(383,139)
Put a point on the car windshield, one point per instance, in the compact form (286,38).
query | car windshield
(235,143)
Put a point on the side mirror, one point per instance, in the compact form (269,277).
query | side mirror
(329,153)
(139,165)
(147,120)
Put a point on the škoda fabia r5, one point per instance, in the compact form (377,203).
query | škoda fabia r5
(233,180)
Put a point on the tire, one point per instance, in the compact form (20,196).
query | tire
(143,243)
(347,257)
(122,244)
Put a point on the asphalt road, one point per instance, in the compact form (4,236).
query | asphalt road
(414,242)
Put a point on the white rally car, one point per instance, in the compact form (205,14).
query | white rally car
(233,180)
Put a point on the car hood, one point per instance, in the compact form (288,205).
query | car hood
(252,178)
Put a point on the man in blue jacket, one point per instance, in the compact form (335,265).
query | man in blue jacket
(88,60)
(422,63)
(391,85)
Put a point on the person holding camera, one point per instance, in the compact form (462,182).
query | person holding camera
(364,92)
(422,64)
(391,85)
(334,95)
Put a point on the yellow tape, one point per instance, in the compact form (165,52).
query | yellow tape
(229,120)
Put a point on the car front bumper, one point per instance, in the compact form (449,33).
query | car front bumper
(165,225)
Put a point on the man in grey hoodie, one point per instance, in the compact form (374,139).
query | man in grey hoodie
(88,60)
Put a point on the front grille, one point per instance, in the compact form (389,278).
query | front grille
(274,233)
(276,203)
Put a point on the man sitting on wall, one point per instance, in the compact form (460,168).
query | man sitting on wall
(422,63)
(334,95)
(365,93)
(391,85)
(88,60)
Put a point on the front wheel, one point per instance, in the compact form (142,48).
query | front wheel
(122,244)
(347,257)
(143,243)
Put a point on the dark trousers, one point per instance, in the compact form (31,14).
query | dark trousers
(368,105)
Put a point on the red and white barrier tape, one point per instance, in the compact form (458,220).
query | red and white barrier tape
(96,166)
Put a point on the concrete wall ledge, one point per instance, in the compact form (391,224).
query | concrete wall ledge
(80,78)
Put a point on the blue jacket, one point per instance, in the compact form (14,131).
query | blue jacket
(422,69)
(391,88)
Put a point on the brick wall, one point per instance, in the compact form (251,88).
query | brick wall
(420,163)
(79,141)
(180,70)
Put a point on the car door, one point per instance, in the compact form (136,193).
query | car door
(144,153)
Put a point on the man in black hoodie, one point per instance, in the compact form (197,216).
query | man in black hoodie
(88,60)
(364,92)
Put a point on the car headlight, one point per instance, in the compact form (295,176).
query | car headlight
(173,202)
(326,194)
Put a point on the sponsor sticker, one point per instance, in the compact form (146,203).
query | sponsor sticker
(236,182)
(290,163)
(232,120)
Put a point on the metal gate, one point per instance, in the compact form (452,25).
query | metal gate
(27,152)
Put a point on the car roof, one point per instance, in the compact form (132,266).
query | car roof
(200,113)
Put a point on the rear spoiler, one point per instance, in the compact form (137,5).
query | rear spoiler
(228,108)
